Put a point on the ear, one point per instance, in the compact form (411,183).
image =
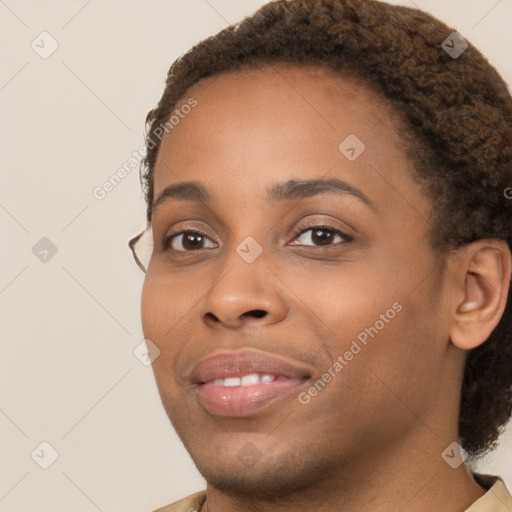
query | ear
(481,271)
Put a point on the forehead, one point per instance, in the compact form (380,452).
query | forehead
(312,96)
(285,80)
(278,122)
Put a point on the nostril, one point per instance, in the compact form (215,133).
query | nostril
(258,313)
(212,316)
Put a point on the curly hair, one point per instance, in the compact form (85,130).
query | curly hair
(458,117)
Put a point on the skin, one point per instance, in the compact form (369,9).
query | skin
(372,439)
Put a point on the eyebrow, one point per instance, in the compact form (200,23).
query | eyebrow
(291,189)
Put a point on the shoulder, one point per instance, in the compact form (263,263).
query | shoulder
(496,499)
(191,503)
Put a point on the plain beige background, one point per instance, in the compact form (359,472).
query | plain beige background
(71,322)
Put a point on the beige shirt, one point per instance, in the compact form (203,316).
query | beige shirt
(496,499)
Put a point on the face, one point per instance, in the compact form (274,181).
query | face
(295,327)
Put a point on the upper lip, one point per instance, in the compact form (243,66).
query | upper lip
(238,364)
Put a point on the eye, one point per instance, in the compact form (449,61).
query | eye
(188,239)
(322,235)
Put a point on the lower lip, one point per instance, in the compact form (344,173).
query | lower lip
(244,400)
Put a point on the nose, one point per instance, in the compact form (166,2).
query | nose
(244,294)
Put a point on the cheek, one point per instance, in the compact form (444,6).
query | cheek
(404,359)
(171,320)
(165,304)
(154,308)
(163,311)
(350,298)
(382,314)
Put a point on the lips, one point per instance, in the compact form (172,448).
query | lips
(241,383)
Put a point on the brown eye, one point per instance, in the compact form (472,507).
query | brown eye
(322,236)
(186,241)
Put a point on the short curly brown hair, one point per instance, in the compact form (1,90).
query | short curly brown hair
(458,114)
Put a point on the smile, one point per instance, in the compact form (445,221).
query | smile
(242,383)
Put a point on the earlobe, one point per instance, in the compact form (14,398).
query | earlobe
(483,271)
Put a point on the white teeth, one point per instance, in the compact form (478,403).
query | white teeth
(252,378)
(232,382)
(247,380)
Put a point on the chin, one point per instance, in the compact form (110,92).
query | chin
(268,478)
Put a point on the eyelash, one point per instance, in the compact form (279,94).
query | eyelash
(346,238)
